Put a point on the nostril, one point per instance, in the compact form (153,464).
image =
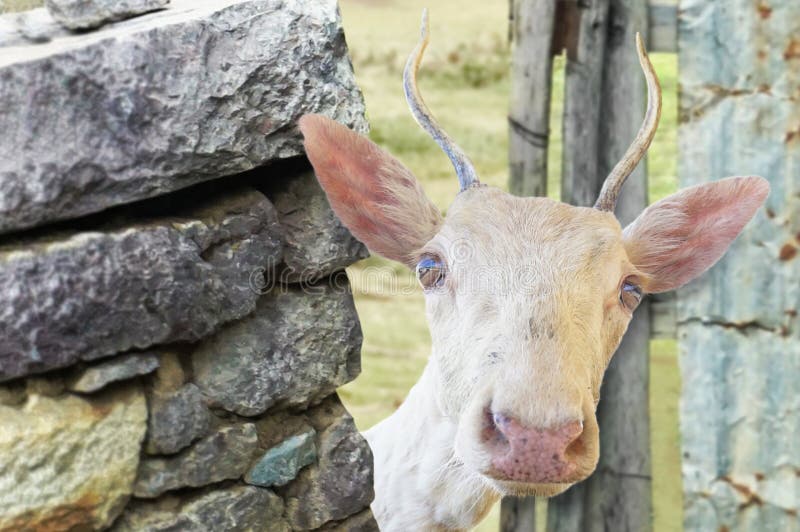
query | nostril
(500,421)
(575,446)
(493,427)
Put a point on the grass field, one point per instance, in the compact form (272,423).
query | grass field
(465,82)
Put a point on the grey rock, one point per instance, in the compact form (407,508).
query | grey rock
(362,522)
(86,14)
(317,244)
(68,462)
(112,121)
(120,368)
(36,27)
(280,464)
(95,294)
(341,484)
(240,508)
(176,420)
(299,345)
(28,27)
(221,456)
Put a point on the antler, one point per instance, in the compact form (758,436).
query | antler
(465,170)
(607,199)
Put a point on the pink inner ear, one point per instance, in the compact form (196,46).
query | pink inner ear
(374,195)
(678,238)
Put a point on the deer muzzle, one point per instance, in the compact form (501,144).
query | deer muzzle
(531,454)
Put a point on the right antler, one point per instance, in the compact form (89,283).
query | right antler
(467,177)
(607,199)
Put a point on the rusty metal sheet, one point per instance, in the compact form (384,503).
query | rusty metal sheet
(738,328)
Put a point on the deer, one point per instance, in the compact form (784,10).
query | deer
(526,298)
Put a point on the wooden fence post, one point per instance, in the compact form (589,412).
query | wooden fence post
(531,30)
(604,104)
(738,326)
(531,25)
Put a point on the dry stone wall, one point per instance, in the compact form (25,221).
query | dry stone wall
(175,319)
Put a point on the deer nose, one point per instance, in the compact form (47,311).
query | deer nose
(533,455)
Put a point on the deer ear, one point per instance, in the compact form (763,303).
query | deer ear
(371,192)
(678,238)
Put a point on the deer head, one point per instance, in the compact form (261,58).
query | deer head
(527,298)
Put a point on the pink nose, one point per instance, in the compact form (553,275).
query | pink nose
(533,455)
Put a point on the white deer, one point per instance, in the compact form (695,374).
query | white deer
(527,299)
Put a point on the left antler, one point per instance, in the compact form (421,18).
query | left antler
(467,177)
(607,199)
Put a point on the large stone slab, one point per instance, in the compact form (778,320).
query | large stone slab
(299,345)
(203,89)
(95,294)
(223,455)
(241,508)
(68,463)
(85,14)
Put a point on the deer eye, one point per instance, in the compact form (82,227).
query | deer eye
(630,295)
(430,272)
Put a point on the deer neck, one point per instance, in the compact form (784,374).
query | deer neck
(419,483)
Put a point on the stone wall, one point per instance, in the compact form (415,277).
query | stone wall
(175,317)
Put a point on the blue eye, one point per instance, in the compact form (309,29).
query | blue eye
(630,294)
(430,272)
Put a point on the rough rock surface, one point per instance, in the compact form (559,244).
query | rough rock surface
(29,27)
(297,347)
(221,456)
(120,368)
(176,420)
(85,14)
(280,464)
(363,522)
(68,463)
(162,281)
(317,244)
(335,488)
(240,508)
(204,89)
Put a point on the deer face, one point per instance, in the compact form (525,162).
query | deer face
(529,307)
(527,298)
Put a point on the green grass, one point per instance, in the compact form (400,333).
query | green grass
(464,79)
(12,6)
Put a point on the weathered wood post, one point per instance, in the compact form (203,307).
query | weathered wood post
(531,24)
(738,331)
(530,29)
(604,103)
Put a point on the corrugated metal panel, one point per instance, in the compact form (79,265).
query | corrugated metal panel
(738,329)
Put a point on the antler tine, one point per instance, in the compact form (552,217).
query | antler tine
(465,170)
(607,199)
